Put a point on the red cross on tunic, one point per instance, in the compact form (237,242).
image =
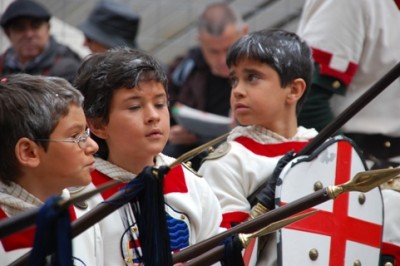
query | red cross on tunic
(337,224)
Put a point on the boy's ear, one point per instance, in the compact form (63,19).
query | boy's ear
(98,128)
(27,152)
(297,89)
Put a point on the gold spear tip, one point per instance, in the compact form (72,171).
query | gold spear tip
(190,154)
(365,181)
(272,227)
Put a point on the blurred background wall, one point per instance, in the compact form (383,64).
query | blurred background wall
(167,27)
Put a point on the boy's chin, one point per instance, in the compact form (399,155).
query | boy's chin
(243,123)
(84,180)
(156,149)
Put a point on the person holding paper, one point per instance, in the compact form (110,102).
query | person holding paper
(200,79)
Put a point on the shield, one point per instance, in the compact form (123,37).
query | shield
(345,231)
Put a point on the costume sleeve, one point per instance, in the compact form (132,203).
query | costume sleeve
(233,177)
(9,256)
(336,36)
(227,187)
(211,215)
(316,111)
(192,197)
(391,230)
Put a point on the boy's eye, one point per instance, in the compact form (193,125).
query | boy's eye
(160,105)
(233,81)
(77,134)
(134,107)
(252,77)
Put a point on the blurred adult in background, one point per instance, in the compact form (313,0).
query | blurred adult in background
(200,78)
(354,44)
(33,50)
(109,25)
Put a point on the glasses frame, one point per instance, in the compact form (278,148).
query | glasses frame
(80,139)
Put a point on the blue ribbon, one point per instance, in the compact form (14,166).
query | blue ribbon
(147,189)
(53,235)
(232,252)
(130,191)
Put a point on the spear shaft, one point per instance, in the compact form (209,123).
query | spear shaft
(255,224)
(84,222)
(215,254)
(27,218)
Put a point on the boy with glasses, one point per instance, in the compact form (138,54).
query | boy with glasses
(44,149)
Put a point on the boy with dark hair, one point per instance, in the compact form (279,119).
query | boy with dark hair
(44,148)
(270,73)
(126,105)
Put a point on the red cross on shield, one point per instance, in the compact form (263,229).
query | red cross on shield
(345,231)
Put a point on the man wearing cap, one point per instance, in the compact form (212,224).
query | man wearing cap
(33,50)
(110,25)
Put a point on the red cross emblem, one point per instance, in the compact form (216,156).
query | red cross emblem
(337,224)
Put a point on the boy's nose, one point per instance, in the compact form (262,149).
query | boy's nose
(91,146)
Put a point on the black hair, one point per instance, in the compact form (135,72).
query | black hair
(101,74)
(284,51)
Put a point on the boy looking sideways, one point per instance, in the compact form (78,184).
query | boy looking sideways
(270,72)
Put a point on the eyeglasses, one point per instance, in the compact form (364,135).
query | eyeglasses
(80,139)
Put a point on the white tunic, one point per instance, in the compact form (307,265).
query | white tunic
(239,171)
(188,198)
(87,247)
(391,232)
(241,165)
(357,42)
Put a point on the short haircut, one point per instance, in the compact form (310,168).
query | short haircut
(31,107)
(216,17)
(101,74)
(284,51)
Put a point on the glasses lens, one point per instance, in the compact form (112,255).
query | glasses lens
(82,139)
